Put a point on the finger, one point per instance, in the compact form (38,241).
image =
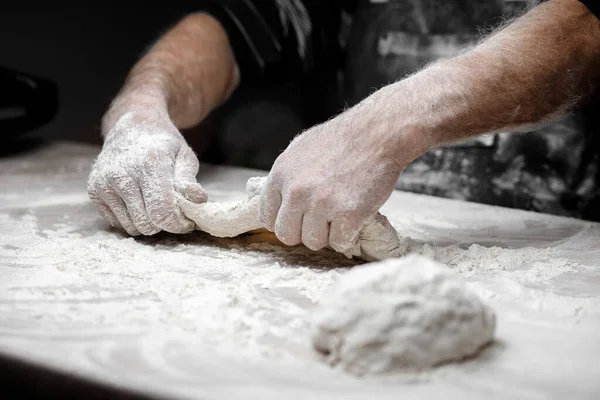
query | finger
(288,225)
(186,169)
(343,233)
(118,209)
(315,231)
(191,191)
(105,212)
(160,201)
(270,203)
(130,193)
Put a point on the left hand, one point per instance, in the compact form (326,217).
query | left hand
(328,183)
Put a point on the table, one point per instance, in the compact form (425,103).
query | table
(147,317)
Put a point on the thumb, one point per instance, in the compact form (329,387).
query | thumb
(186,169)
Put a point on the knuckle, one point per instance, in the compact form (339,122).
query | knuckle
(149,160)
(321,200)
(345,217)
(114,175)
(161,217)
(297,192)
(125,188)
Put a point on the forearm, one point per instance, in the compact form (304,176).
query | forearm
(534,69)
(189,71)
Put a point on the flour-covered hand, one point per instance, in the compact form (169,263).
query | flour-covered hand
(143,164)
(326,185)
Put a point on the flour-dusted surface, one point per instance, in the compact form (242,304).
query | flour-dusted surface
(194,316)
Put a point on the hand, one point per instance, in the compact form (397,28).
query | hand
(143,164)
(326,185)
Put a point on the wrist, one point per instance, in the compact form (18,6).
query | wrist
(144,103)
(394,124)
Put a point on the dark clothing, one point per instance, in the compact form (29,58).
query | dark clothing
(366,44)
(280,40)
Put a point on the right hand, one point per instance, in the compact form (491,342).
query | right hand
(144,163)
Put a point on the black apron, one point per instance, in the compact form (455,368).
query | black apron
(553,169)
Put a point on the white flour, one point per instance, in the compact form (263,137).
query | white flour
(248,296)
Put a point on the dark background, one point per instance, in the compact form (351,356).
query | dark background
(86,48)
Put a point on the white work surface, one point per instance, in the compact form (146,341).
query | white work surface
(80,297)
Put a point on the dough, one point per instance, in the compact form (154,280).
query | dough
(407,314)
(378,240)
(227,219)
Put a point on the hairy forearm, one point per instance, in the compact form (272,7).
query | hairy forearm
(189,71)
(531,71)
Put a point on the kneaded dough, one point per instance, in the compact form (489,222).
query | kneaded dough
(378,239)
(400,315)
(227,219)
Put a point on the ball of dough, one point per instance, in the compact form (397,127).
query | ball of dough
(407,314)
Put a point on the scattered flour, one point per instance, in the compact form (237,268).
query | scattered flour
(244,297)
(248,296)
(405,314)
(44,199)
(477,259)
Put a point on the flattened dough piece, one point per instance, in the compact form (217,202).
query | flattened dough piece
(407,314)
(378,239)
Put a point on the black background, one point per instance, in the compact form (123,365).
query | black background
(86,48)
